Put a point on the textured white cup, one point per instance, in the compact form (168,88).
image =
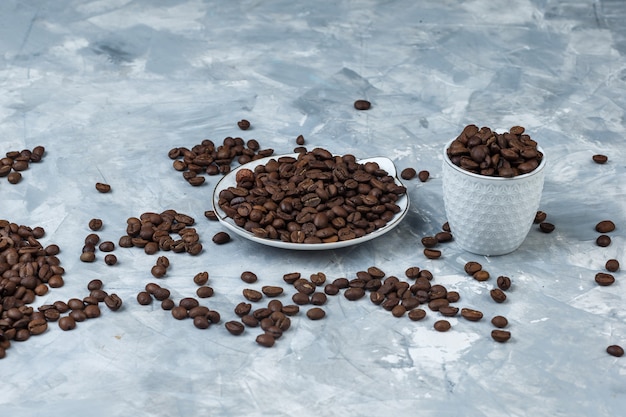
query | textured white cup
(490,215)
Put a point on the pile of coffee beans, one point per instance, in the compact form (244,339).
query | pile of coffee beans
(14,162)
(312,198)
(211,159)
(485,152)
(430,242)
(152,232)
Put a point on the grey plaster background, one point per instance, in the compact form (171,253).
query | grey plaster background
(109,86)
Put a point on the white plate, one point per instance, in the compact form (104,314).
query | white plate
(229,180)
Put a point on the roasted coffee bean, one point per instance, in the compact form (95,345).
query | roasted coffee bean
(107,246)
(179,312)
(500,335)
(201,278)
(331,289)
(603,241)
(243,124)
(412,272)
(14,177)
(271,290)
(471,314)
(205,291)
(318,298)
(604,279)
(37,326)
(429,241)
(234,327)
(362,105)
(304,286)
(432,253)
(188,303)
(201,322)
(95,224)
(497,295)
(103,188)
(249,277)
(417,314)
(110,259)
(503,282)
(243,309)
(87,257)
(499,321)
(605,226)
(443,237)
(600,159)
(300,298)
(398,311)
(290,310)
(291,277)
(144,298)
(408,173)
(265,340)
(448,311)
(436,304)
(221,237)
(481,275)
(318,279)
(249,320)
(113,302)
(158,271)
(453,296)
(315,313)
(92,311)
(300,140)
(612,265)
(615,350)
(94,284)
(75,304)
(67,323)
(546,227)
(211,215)
(442,325)
(472,267)
(423,175)
(540,217)
(252,295)
(161,294)
(354,293)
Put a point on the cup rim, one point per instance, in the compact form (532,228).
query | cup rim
(536,171)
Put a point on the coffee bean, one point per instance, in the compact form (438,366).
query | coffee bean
(144,298)
(87,257)
(265,340)
(398,311)
(14,177)
(249,320)
(600,159)
(75,304)
(113,302)
(498,295)
(471,314)
(417,314)
(318,279)
(481,275)
(201,278)
(271,290)
(429,241)
(234,327)
(436,304)
(612,265)
(290,310)
(249,277)
(354,293)
(291,277)
(604,279)
(500,335)
(432,253)
(92,311)
(472,267)
(331,289)
(540,217)
(188,303)
(503,282)
(95,224)
(615,350)
(448,311)
(67,323)
(318,298)
(603,241)
(453,296)
(252,295)
(408,173)
(423,175)
(243,309)
(362,105)
(443,237)
(205,292)
(499,321)
(605,226)
(442,325)
(221,237)
(179,313)
(546,227)
(300,298)
(94,284)
(107,246)
(201,322)
(315,313)
(103,188)
(158,271)
(300,140)
(412,272)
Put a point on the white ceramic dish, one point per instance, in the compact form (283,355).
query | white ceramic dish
(230,181)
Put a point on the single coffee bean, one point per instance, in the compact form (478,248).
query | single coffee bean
(546,227)
(201,278)
(615,350)
(271,290)
(113,302)
(78,315)
(252,295)
(318,298)
(315,313)
(398,311)
(37,326)
(612,265)
(540,217)
(354,293)
(471,314)
(481,275)
(423,175)
(600,159)
(318,279)
(249,320)
(362,105)
(188,303)
(205,292)
(94,284)
(290,310)
(221,237)
(603,241)
(499,321)
(67,323)
(300,298)
(179,312)
(443,237)
(92,311)
(472,267)
(408,173)
(300,140)
(158,271)
(453,296)
(107,246)
(331,289)
(95,224)
(432,253)
(75,304)
(442,325)
(234,327)
(500,335)
(265,340)
(14,177)
(87,257)
(161,294)
(243,124)
(412,272)
(417,314)
(448,311)
(249,277)
(605,226)
(243,309)
(103,188)
(110,259)
(211,215)
(503,282)
(144,298)
(429,242)
(498,295)
(436,304)
(604,279)
(291,277)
